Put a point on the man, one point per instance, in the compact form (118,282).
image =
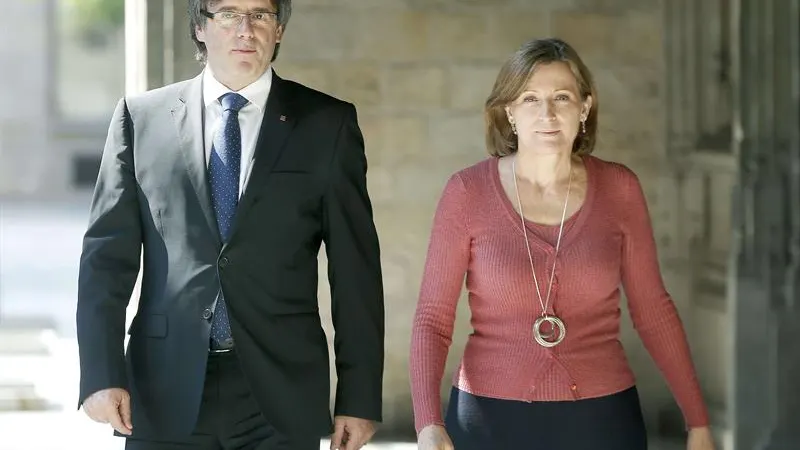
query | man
(229,183)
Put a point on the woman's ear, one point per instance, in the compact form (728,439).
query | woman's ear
(587,107)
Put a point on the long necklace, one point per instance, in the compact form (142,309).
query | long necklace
(557,331)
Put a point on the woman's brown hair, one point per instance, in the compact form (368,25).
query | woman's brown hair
(511,81)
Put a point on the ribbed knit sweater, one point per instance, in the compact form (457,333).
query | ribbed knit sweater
(607,244)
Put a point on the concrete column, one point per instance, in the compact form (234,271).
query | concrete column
(765,287)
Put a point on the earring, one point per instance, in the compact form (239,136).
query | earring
(513,125)
(583,126)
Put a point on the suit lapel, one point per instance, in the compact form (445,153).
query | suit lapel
(275,127)
(188,116)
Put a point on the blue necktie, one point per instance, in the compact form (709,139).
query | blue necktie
(223,170)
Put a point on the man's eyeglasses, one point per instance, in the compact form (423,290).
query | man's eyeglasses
(232,19)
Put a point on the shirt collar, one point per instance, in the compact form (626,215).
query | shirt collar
(256,92)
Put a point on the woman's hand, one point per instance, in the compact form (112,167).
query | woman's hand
(700,439)
(434,437)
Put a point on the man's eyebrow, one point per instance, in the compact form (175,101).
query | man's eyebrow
(234,9)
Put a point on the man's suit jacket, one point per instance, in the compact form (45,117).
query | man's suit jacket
(307,186)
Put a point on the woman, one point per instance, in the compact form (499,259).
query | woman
(545,235)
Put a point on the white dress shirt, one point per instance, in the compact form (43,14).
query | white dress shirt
(250,116)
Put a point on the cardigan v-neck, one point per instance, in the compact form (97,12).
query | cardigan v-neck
(541,232)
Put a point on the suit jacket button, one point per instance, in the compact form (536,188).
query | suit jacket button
(207,313)
(223,262)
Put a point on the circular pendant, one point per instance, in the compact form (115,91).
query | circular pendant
(549,331)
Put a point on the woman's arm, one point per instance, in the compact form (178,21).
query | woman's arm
(442,280)
(652,310)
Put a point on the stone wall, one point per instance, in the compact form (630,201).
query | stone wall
(419,72)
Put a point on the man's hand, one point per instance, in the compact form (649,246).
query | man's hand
(112,406)
(351,433)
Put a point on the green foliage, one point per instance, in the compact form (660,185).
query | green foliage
(97,14)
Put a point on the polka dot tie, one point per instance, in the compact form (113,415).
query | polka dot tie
(223,168)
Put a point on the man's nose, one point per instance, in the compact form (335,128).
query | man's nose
(245,27)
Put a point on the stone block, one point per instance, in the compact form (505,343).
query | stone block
(314,75)
(420,184)
(616,5)
(668,216)
(457,135)
(709,337)
(402,258)
(391,140)
(486,7)
(469,85)
(591,34)
(322,34)
(454,37)
(609,39)
(415,88)
(540,5)
(509,30)
(360,4)
(400,36)
(624,143)
(300,8)
(409,227)
(639,41)
(452,6)
(721,211)
(632,115)
(628,87)
(380,183)
(398,421)
(359,83)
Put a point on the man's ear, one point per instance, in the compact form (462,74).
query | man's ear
(200,33)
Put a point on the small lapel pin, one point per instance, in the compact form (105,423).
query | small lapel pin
(283,118)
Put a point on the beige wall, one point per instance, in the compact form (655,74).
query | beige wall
(419,72)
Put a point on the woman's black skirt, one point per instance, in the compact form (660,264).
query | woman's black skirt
(612,422)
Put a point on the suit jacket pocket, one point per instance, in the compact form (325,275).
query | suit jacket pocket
(150,325)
